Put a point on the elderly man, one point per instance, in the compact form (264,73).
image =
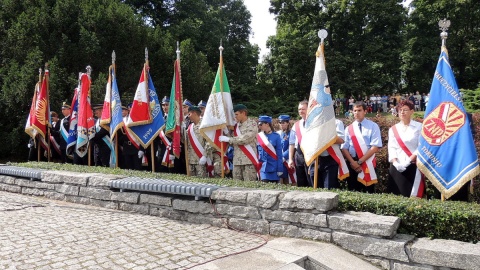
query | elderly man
(244,141)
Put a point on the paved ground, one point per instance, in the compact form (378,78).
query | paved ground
(37,233)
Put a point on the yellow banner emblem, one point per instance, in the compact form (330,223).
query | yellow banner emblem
(442,123)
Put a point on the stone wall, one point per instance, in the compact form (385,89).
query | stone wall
(309,215)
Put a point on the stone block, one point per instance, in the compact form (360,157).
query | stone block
(254,226)
(25,182)
(234,195)
(10,188)
(364,223)
(104,204)
(128,197)
(73,178)
(192,206)
(7,179)
(67,189)
(447,253)
(383,263)
(156,199)
(238,211)
(167,213)
(401,266)
(95,193)
(102,180)
(202,219)
(319,220)
(297,232)
(33,191)
(263,198)
(77,199)
(319,201)
(370,246)
(54,195)
(138,208)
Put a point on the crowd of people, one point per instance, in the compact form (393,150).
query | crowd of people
(381,103)
(256,151)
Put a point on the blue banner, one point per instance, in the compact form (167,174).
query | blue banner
(446,154)
(116,104)
(71,136)
(146,133)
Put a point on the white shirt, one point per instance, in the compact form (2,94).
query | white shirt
(410,136)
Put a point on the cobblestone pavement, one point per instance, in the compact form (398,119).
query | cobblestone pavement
(37,233)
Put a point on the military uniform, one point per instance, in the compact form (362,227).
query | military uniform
(196,169)
(243,169)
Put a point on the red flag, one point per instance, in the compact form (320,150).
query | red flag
(40,116)
(140,112)
(86,123)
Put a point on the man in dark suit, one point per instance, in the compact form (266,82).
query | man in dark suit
(101,140)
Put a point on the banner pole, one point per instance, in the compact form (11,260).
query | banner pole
(315,174)
(152,155)
(222,153)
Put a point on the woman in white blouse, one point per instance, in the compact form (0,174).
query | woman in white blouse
(402,153)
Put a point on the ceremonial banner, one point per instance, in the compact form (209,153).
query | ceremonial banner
(40,116)
(140,113)
(320,129)
(86,123)
(446,153)
(175,110)
(71,136)
(112,119)
(28,126)
(146,132)
(219,110)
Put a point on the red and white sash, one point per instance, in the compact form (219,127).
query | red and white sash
(198,148)
(368,175)
(298,131)
(166,157)
(132,139)
(247,150)
(292,175)
(266,145)
(55,145)
(336,154)
(419,183)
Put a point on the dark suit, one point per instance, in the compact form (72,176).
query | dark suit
(101,149)
(129,151)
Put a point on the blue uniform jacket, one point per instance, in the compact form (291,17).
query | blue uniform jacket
(268,163)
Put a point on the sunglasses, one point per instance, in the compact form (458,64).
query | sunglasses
(260,123)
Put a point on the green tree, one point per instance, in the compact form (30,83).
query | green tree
(423,42)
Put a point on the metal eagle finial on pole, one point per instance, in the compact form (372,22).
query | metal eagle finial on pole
(444,25)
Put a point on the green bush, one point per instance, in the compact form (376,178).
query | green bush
(422,218)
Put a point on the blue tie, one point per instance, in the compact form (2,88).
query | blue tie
(360,126)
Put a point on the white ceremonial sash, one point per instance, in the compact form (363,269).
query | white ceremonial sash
(247,150)
(166,157)
(336,154)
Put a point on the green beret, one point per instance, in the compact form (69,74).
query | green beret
(239,107)
(194,109)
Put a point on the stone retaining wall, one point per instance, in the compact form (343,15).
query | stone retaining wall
(309,215)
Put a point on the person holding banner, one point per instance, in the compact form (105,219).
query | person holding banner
(288,176)
(63,132)
(362,141)
(101,139)
(197,158)
(270,153)
(296,159)
(245,161)
(329,162)
(403,177)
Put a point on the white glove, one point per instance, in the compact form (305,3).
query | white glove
(141,154)
(406,164)
(172,157)
(29,145)
(225,130)
(203,160)
(224,139)
(279,173)
(399,167)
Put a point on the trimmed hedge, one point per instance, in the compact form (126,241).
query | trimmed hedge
(422,218)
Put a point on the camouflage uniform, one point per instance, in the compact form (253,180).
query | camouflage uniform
(195,168)
(243,168)
(214,156)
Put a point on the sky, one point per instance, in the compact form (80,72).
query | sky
(263,23)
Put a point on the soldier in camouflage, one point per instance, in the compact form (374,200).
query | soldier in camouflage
(196,157)
(246,140)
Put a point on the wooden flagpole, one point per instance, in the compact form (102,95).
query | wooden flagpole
(315,174)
